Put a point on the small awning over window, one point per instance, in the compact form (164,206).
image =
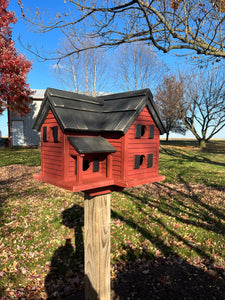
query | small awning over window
(91,144)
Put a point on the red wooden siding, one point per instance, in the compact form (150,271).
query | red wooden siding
(142,146)
(116,142)
(52,153)
(70,154)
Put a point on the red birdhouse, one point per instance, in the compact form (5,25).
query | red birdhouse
(94,144)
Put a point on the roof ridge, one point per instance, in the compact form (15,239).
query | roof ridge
(75,96)
(124,95)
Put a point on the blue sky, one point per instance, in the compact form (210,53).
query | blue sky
(41,76)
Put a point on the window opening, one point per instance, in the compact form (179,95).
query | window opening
(138,161)
(140,130)
(142,157)
(96,165)
(45,139)
(86,164)
(143,129)
(55,134)
(75,158)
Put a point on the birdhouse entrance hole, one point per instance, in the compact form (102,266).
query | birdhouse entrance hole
(86,164)
(142,159)
(143,129)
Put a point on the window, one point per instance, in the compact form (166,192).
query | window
(140,130)
(75,158)
(86,164)
(45,139)
(55,134)
(138,161)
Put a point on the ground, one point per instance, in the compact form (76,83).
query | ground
(158,278)
(166,280)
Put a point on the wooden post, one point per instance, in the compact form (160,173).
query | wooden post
(97,247)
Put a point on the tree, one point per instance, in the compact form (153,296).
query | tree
(84,72)
(204,114)
(137,67)
(170,101)
(14,92)
(166,24)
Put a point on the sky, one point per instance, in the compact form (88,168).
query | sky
(41,75)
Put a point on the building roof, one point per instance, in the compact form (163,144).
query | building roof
(109,113)
(38,94)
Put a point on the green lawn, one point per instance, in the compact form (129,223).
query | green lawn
(41,245)
(28,157)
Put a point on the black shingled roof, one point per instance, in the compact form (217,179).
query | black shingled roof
(91,144)
(108,113)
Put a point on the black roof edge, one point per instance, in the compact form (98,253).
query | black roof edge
(156,115)
(125,94)
(72,96)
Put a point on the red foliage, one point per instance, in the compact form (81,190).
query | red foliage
(14,91)
(175,4)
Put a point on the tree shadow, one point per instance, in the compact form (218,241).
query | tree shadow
(196,212)
(167,275)
(167,279)
(190,158)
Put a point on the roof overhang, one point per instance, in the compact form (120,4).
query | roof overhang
(92,144)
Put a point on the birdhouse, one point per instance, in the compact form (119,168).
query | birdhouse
(98,144)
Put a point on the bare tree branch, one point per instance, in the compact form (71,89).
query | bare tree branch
(193,25)
(205,93)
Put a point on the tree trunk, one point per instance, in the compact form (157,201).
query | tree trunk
(167,136)
(202,143)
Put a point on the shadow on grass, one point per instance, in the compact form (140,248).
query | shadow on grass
(168,280)
(166,276)
(184,206)
(189,158)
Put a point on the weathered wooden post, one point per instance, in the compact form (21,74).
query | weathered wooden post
(97,246)
(98,145)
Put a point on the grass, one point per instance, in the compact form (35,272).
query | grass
(185,164)
(28,157)
(41,243)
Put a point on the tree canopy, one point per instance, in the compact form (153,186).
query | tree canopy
(170,101)
(194,25)
(14,91)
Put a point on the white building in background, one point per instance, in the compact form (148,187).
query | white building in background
(20,128)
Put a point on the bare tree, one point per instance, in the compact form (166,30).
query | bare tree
(137,67)
(204,115)
(84,72)
(170,101)
(167,24)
